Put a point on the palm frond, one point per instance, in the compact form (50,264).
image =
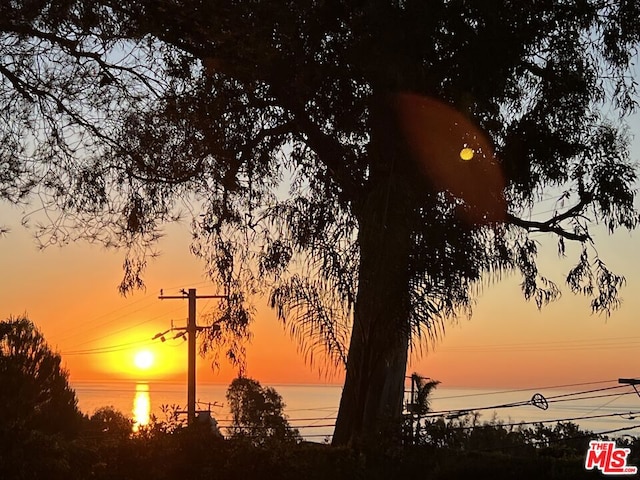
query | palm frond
(315,318)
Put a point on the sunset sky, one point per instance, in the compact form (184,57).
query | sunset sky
(71,294)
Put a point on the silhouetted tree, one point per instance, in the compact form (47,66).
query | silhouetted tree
(66,76)
(421,389)
(110,422)
(35,393)
(258,413)
(414,139)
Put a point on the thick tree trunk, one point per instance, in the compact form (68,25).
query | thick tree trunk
(371,403)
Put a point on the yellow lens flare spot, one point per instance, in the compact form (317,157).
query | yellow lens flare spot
(143,360)
(466,154)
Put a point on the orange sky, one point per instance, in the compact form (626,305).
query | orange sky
(71,294)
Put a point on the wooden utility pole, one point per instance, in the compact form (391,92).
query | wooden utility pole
(191,329)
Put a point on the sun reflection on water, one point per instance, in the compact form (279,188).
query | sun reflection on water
(141,406)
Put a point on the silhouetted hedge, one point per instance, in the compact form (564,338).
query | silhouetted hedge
(198,454)
(173,452)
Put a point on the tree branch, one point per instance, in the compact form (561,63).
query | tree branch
(536,70)
(278,130)
(329,151)
(20,85)
(71,47)
(30,91)
(553,224)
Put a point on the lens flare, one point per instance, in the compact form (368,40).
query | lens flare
(466,154)
(437,136)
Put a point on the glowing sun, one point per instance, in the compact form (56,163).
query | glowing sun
(143,360)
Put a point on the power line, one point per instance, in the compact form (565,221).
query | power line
(606,432)
(553,399)
(102,349)
(602,406)
(130,327)
(148,297)
(587,391)
(555,420)
(591,397)
(108,349)
(89,322)
(333,408)
(499,392)
(293,420)
(534,422)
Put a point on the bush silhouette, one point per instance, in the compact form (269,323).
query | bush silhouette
(35,393)
(39,416)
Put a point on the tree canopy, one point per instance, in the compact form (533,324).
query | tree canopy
(35,393)
(258,413)
(367,164)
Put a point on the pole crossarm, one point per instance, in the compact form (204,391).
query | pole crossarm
(184,297)
(629,381)
(634,382)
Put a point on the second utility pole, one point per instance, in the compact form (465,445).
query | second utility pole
(191,329)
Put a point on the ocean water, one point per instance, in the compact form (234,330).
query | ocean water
(310,408)
(313,408)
